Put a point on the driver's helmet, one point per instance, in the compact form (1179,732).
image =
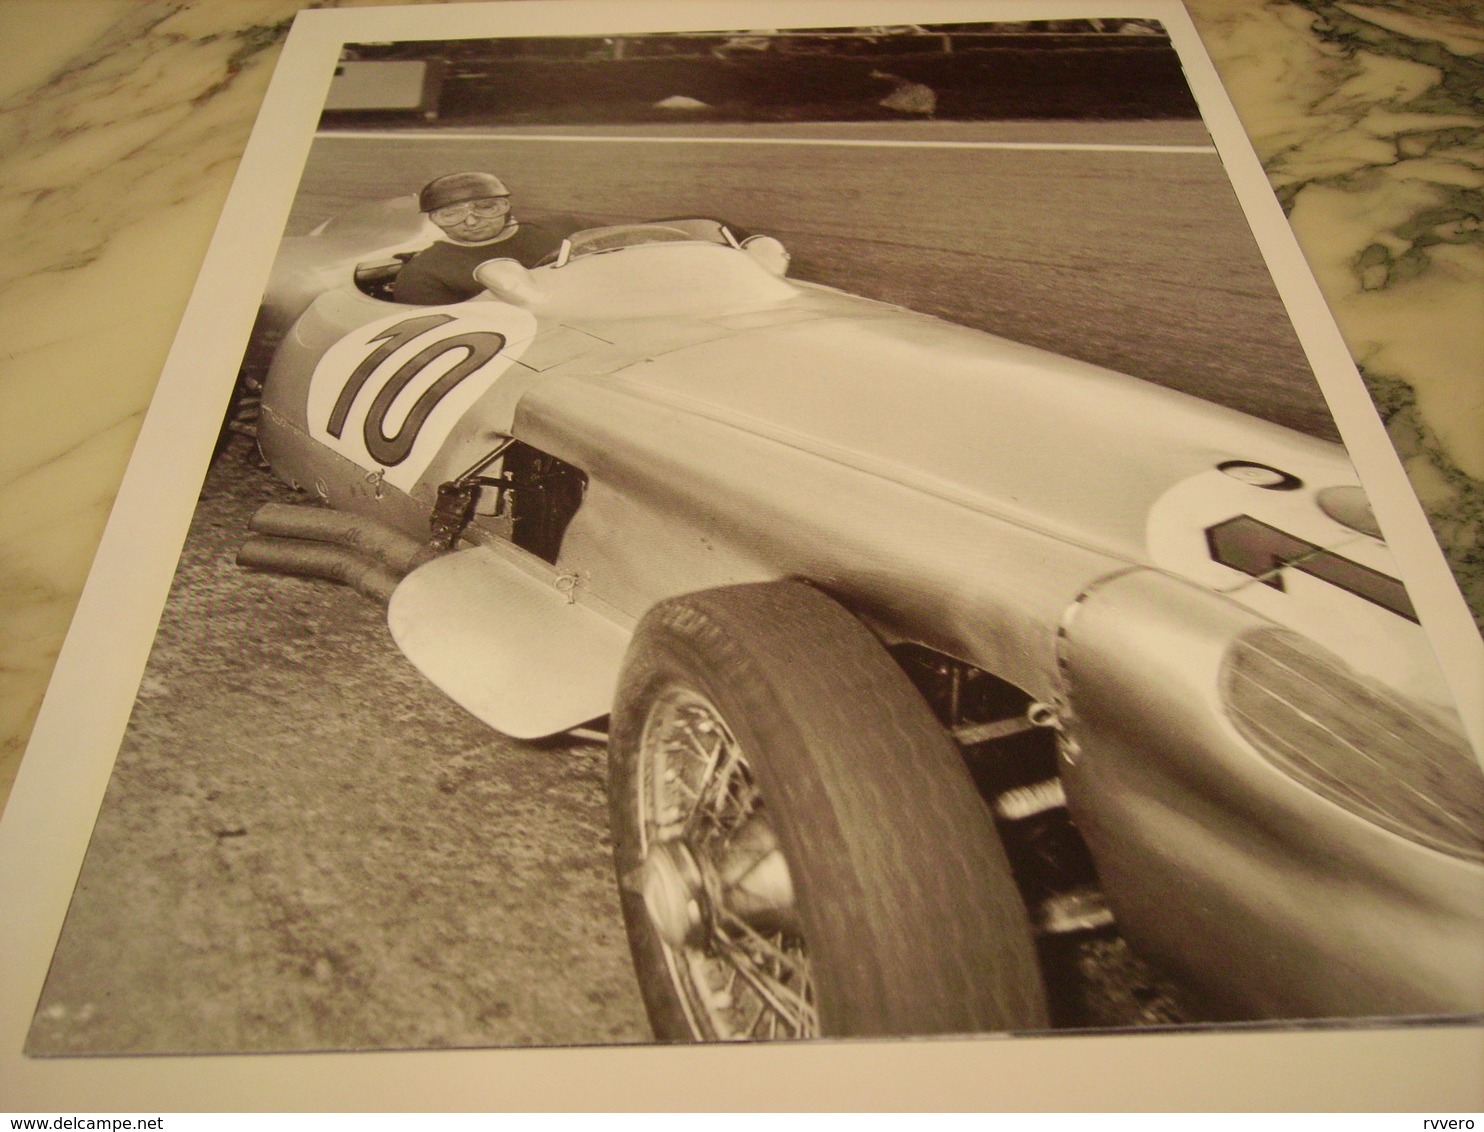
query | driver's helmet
(456,188)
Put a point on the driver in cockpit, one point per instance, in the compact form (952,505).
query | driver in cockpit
(473,211)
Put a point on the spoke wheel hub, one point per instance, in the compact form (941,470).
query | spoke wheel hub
(715,884)
(674,893)
(687,894)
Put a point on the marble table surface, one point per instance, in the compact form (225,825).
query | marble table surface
(122,122)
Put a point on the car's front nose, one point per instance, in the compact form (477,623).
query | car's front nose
(1291,836)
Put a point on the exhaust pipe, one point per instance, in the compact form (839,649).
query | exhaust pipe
(312,542)
(368,536)
(319,560)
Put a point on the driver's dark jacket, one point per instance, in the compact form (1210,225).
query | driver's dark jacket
(444,273)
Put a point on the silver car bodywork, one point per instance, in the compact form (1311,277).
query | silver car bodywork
(1171,583)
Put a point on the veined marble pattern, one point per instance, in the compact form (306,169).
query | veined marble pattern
(121,124)
(1369,119)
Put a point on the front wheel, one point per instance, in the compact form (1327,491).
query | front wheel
(800,851)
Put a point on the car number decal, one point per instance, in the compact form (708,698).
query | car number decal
(388,395)
(1263,552)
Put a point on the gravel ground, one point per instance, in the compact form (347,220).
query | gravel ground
(304,845)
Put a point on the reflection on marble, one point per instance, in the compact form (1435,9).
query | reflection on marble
(119,135)
(121,124)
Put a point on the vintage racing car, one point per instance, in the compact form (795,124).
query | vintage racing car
(915,647)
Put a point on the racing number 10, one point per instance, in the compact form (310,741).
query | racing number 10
(482,345)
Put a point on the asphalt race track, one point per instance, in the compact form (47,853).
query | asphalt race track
(305,846)
(1137,259)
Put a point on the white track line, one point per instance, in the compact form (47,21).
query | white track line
(1071,147)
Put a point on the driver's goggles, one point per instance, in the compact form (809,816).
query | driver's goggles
(457,213)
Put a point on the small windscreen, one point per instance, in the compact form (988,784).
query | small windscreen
(597,240)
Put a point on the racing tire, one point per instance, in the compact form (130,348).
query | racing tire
(898,914)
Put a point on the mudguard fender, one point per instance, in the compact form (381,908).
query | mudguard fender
(516,647)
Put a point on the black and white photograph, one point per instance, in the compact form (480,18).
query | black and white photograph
(762,534)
